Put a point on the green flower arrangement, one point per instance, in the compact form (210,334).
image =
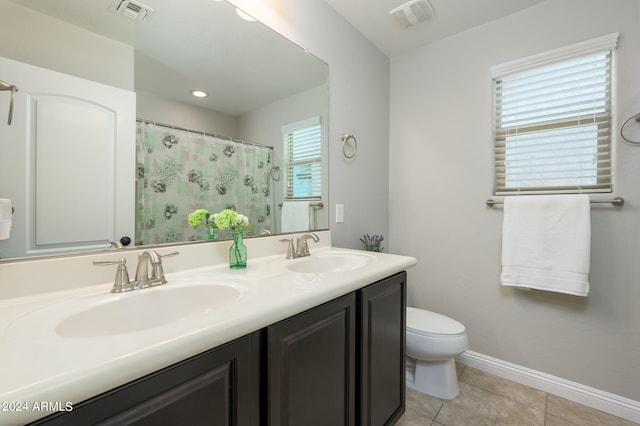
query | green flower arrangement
(201,217)
(372,242)
(238,223)
(229,218)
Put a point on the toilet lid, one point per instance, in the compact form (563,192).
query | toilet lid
(420,321)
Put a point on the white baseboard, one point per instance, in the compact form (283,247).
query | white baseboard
(600,400)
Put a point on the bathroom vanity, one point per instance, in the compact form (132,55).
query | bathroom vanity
(341,363)
(308,341)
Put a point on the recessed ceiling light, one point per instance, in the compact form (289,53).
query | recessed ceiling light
(245,16)
(198,93)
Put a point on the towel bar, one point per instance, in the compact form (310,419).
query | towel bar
(317,205)
(617,201)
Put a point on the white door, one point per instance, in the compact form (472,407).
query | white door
(67,162)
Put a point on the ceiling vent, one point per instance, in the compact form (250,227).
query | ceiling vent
(132,9)
(412,12)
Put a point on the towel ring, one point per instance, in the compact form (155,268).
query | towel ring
(345,139)
(636,118)
(275,173)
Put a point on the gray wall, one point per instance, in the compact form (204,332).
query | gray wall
(155,108)
(441,173)
(81,53)
(358,104)
(264,126)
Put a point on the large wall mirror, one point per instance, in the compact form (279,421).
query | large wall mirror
(225,150)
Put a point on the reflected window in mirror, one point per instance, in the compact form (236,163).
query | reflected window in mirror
(303,159)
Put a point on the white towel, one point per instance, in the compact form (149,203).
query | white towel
(296,216)
(546,243)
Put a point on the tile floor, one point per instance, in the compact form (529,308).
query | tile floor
(488,400)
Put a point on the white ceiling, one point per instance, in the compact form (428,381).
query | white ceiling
(204,46)
(372,19)
(186,47)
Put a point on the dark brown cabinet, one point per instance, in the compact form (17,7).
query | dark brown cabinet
(340,363)
(311,366)
(314,357)
(381,349)
(217,387)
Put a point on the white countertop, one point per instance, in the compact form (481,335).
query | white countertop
(40,366)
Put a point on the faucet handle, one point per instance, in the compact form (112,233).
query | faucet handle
(289,247)
(157,270)
(121,281)
(172,254)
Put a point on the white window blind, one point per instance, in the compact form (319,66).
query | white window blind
(303,159)
(553,121)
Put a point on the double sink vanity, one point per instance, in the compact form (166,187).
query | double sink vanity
(313,340)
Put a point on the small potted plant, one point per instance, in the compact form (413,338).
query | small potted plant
(372,242)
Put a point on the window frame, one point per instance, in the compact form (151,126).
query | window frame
(313,161)
(602,122)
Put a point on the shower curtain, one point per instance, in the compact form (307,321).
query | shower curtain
(180,171)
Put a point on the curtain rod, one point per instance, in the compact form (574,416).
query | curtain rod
(229,138)
(617,201)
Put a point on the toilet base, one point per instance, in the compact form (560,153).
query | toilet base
(435,378)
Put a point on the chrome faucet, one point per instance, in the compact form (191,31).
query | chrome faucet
(154,259)
(302,248)
(143,279)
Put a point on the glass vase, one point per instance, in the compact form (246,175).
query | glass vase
(212,233)
(237,252)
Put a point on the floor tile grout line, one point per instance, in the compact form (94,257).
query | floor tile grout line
(544,411)
(438,412)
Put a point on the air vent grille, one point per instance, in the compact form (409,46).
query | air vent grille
(132,9)
(412,12)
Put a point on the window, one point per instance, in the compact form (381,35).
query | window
(303,159)
(553,120)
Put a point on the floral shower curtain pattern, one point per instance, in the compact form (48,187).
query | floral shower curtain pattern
(180,171)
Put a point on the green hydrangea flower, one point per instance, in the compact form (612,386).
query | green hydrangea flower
(198,217)
(229,218)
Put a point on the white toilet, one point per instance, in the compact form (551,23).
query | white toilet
(433,342)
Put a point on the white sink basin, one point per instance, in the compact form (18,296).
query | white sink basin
(330,262)
(108,314)
(148,308)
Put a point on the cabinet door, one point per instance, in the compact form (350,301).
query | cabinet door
(311,366)
(218,387)
(382,351)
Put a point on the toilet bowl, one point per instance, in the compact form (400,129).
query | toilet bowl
(433,342)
